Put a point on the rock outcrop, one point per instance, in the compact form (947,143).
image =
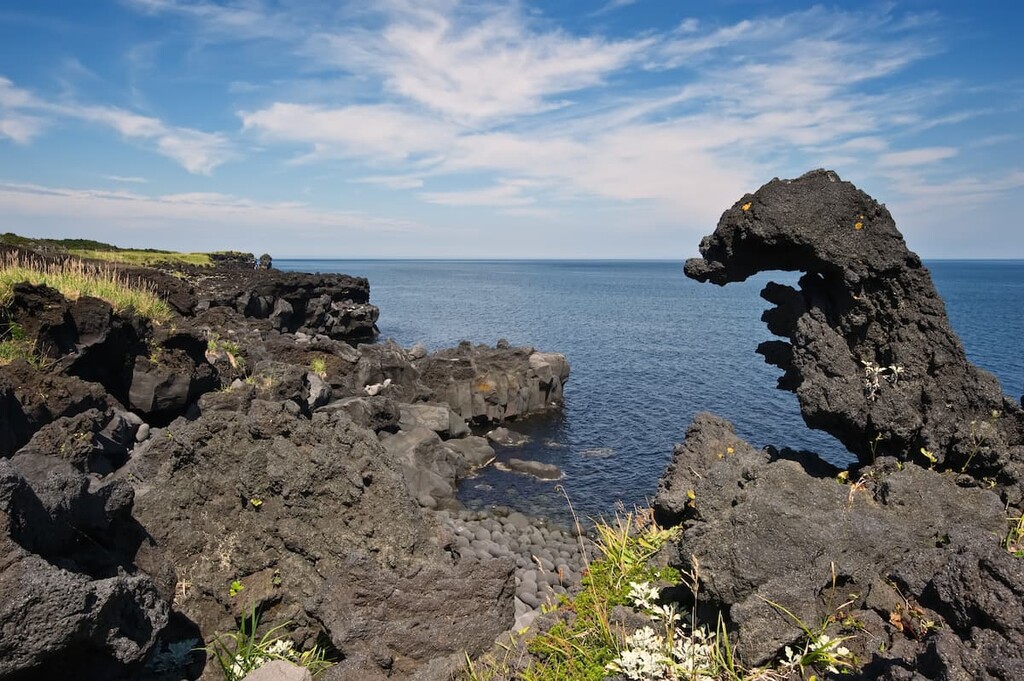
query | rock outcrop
(312,520)
(870,352)
(904,554)
(904,560)
(335,305)
(160,481)
(491,385)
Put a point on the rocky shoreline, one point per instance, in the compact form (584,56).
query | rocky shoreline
(252,454)
(158,482)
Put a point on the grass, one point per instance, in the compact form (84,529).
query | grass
(14,345)
(241,652)
(75,278)
(145,258)
(586,645)
(1014,540)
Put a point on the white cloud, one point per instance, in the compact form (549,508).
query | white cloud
(502,195)
(197,151)
(237,21)
(393,181)
(125,178)
(197,210)
(366,131)
(494,66)
(20,129)
(916,157)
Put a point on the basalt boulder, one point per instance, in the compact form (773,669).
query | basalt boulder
(492,385)
(870,353)
(72,598)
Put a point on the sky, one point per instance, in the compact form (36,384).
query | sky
(446,129)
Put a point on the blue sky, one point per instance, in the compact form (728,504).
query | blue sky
(438,128)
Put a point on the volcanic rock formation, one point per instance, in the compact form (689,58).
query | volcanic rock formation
(871,355)
(907,553)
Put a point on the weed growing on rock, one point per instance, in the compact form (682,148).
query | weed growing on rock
(319,367)
(1014,540)
(241,652)
(174,656)
(14,345)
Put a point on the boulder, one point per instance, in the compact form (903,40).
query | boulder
(538,469)
(492,385)
(504,437)
(322,505)
(71,597)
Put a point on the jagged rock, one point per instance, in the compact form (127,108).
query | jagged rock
(30,398)
(171,377)
(71,597)
(473,450)
(322,503)
(437,417)
(336,305)
(427,466)
(491,385)
(871,355)
(376,413)
(93,441)
(763,528)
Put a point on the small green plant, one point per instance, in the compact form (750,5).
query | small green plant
(1014,540)
(241,652)
(14,345)
(319,367)
(255,502)
(236,588)
(819,650)
(173,656)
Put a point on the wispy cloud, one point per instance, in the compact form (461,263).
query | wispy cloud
(123,178)
(23,117)
(362,131)
(916,157)
(492,65)
(194,210)
(504,195)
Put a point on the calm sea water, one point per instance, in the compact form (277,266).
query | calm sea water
(649,348)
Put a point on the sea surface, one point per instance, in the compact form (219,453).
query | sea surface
(648,348)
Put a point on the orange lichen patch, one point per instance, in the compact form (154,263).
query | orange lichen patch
(746,206)
(484,386)
(858,225)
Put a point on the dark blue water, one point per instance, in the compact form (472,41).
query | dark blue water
(649,348)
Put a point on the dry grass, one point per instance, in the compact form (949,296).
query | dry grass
(145,258)
(75,278)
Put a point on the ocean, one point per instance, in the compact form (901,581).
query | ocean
(648,348)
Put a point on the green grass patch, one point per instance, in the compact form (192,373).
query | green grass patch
(14,345)
(75,278)
(146,258)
